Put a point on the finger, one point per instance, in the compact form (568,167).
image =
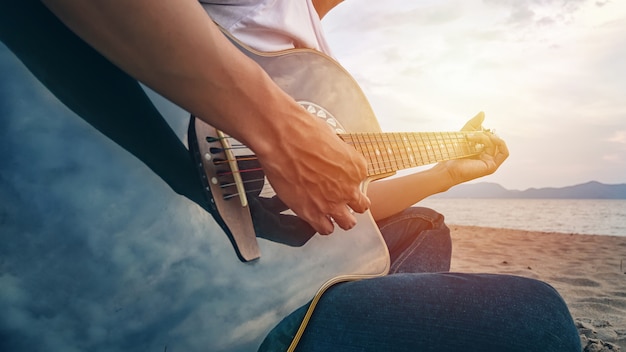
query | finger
(324,225)
(485,141)
(503,151)
(475,123)
(360,202)
(344,219)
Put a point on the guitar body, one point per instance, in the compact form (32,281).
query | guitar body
(111,258)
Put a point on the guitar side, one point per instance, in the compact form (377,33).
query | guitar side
(311,79)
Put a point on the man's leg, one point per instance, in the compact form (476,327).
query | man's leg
(418,241)
(441,312)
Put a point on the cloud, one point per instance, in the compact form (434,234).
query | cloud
(618,137)
(538,12)
(536,67)
(613,158)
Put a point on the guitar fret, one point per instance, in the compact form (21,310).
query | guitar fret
(418,148)
(457,145)
(402,150)
(375,152)
(465,150)
(452,144)
(384,154)
(449,148)
(415,148)
(365,147)
(439,150)
(433,147)
(445,147)
(426,147)
(372,151)
(410,158)
(390,152)
(381,152)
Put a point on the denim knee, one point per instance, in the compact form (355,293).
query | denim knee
(418,241)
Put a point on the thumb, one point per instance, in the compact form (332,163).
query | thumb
(475,123)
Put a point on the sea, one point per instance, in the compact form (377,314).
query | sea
(571,216)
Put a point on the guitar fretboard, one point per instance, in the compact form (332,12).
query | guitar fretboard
(390,152)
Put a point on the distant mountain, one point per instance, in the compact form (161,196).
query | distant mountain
(589,190)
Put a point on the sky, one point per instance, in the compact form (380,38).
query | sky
(550,76)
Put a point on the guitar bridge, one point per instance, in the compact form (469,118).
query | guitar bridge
(234,168)
(216,163)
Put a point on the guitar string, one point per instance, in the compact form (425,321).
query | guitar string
(393,141)
(446,144)
(449,148)
(231,184)
(399,157)
(240,171)
(447,137)
(407,152)
(233,195)
(455,136)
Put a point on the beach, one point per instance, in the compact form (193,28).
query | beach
(589,271)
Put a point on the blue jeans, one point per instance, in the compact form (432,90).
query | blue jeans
(418,241)
(413,309)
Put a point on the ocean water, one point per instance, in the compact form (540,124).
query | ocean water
(580,216)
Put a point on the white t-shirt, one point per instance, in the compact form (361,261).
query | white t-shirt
(270,25)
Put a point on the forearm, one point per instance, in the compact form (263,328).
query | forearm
(391,196)
(324,6)
(175,48)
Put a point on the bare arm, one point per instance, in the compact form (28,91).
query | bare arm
(324,6)
(394,195)
(175,48)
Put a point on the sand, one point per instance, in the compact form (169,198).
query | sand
(588,270)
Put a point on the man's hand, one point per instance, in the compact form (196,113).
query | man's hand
(317,175)
(494,154)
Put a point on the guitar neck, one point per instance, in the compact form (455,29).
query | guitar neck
(389,152)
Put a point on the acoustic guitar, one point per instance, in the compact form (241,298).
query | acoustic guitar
(268,238)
